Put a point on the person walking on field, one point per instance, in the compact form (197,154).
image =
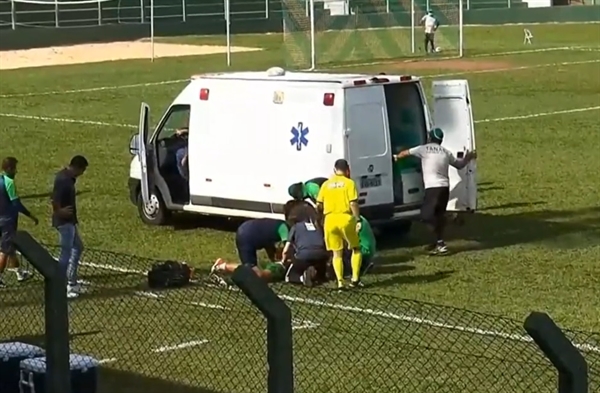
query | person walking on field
(10,207)
(435,162)
(431,25)
(64,219)
(338,201)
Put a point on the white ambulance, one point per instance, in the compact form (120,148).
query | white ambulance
(253,134)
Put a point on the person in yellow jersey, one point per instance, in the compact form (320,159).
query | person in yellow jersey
(338,202)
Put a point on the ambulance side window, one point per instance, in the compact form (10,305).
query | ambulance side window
(177,118)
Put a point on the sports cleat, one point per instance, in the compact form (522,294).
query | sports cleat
(356,284)
(308,276)
(2,284)
(71,293)
(23,276)
(440,249)
(218,266)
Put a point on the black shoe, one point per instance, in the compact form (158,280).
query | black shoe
(2,284)
(308,276)
(440,249)
(356,284)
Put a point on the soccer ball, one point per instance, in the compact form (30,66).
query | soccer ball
(438,49)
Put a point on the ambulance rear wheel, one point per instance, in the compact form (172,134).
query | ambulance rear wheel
(154,212)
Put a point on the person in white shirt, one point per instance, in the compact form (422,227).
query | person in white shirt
(435,162)
(431,24)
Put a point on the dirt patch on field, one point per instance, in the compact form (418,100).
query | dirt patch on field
(453,65)
(95,53)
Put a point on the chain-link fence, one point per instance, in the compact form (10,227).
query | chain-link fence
(205,338)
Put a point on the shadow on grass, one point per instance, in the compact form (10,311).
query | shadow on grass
(187,222)
(39,340)
(48,195)
(412,279)
(115,381)
(563,229)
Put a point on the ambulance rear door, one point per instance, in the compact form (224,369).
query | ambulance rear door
(368,149)
(452,113)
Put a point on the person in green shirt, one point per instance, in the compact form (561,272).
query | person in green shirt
(269,271)
(307,190)
(10,208)
(368,248)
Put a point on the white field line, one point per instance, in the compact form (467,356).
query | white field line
(492,120)
(93,89)
(154,295)
(65,120)
(118,87)
(508,69)
(388,315)
(455,57)
(533,116)
(422,321)
(304,324)
(108,360)
(189,344)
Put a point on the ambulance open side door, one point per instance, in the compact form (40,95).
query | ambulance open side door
(144,157)
(452,113)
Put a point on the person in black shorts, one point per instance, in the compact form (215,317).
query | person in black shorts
(435,162)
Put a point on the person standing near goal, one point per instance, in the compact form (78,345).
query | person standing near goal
(431,25)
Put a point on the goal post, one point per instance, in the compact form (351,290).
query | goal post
(320,34)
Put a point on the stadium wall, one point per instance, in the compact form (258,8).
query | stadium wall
(31,37)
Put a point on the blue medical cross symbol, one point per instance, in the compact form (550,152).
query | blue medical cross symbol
(299,136)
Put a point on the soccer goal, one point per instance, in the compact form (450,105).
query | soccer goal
(333,33)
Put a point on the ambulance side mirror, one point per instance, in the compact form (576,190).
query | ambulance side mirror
(134,144)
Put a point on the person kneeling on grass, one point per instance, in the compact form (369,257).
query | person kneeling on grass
(307,243)
(368,248)
(254,235)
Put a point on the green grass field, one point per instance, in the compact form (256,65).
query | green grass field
(534,244)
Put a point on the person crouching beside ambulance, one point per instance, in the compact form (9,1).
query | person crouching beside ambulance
(306,248)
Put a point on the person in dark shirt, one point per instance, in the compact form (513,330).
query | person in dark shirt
(253,235)
(10,207)
(64,219)
(306,241)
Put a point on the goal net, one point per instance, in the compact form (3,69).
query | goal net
(334,33)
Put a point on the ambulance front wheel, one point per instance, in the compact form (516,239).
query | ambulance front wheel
(154,212)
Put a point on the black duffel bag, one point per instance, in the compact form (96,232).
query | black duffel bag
(169,274)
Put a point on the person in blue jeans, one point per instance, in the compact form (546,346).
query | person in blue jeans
(64,219)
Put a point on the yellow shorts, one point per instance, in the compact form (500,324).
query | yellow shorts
(340,229)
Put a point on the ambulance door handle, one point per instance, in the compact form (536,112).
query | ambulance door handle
(347,131)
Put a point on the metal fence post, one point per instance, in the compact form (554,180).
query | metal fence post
(279,328)
(570,363)
(58,374)
(56,23)
(13,15)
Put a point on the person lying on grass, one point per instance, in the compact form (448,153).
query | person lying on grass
(268,271)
